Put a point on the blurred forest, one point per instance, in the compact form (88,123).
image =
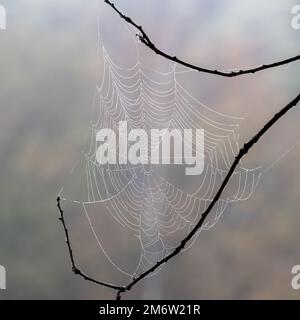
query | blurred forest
(48,73)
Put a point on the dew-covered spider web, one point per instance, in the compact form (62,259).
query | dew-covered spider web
(146,210)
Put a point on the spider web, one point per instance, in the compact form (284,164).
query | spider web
(155,204)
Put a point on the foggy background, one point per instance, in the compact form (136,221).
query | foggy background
(48,70)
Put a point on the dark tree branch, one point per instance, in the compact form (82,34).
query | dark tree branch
(144,38)
(75,269)
(243,151)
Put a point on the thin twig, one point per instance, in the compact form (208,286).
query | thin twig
(242,152)
(75,269)
(144,38)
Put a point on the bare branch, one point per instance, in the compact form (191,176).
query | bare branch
(144,38)
(75,269)
(242,152)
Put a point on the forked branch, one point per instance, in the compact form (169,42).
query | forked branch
(145,39)
(243,151)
